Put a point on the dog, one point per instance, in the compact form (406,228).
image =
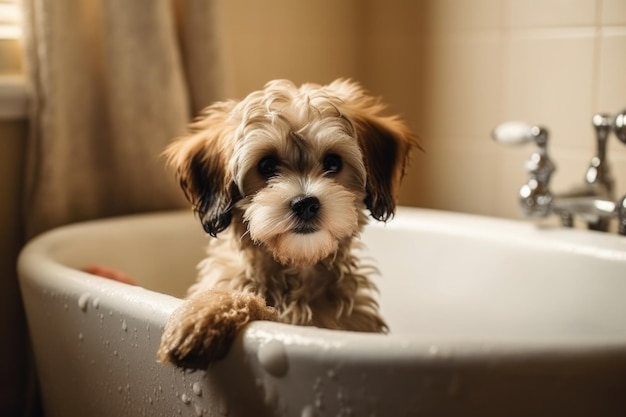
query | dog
(282,180)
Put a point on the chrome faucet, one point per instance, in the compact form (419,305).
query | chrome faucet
(594,201)
(598,175)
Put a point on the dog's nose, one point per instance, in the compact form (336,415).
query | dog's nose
(305,207)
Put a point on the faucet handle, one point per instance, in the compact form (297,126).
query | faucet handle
(514,133)
(602,124)
(534,196)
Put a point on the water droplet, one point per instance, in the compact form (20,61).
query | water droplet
(96,303)
(433,350)
(273,358)
(319,402)
(332,374)
(308,411)
(124,325)
(197,388)
(65,306)
(185,398)
(83,301)
(199,411)
(80,337)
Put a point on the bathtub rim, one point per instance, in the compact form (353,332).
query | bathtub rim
(37,271)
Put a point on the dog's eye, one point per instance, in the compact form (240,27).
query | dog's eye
(332,163)
(268,166)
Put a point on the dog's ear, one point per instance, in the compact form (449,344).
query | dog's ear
(200,160)
(386,143)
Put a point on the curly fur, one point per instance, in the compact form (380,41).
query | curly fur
(267,261)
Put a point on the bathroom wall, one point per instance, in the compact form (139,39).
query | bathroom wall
(454,69)
(315,41)
(548,62)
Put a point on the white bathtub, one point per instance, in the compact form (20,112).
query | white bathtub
(488,318)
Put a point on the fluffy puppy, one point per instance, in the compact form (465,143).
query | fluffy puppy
(282,181)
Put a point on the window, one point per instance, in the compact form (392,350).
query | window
(10,17)
(13,95)
(10,37)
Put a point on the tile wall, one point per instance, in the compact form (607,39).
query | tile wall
(454,69)
(548,62)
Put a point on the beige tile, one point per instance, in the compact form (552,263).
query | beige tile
(460,179)
(613,12)
(391,19)
(548,13)
(465,80)
(301,41)
(395,70)
(549,81)
(461,15)
(611,96)
(617,151)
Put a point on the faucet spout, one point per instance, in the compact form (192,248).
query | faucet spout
(591,209)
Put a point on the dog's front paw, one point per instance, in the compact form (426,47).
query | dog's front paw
(202,330)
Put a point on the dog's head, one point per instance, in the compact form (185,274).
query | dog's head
(298,165)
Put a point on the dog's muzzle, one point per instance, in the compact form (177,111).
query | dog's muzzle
(306,209)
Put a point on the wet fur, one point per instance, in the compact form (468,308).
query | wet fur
(257,266)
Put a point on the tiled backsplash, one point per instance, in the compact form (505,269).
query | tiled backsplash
(548,62)
(454,69)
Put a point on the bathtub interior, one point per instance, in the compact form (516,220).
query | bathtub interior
(472,278)
(158,251)
(441,274)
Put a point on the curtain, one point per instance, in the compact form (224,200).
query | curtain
(113,81)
